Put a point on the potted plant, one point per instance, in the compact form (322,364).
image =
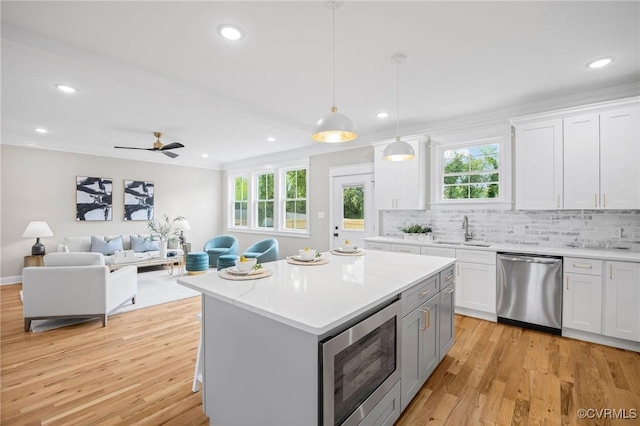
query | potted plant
(416,232)
(165,230)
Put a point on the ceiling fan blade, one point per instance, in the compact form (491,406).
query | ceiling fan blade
(169,154)
(172,145)
(131,147)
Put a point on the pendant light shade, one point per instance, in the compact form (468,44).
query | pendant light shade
(398,150)
(334,127)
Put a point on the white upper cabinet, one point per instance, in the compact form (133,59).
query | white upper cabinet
(620,159)
(579,158)
(601,157)
(538,165)
(401,185)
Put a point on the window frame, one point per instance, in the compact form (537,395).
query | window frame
(279,193)
(503,201)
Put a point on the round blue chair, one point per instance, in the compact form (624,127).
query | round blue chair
(220,245)
(263,250)
(197,262)
(226,261)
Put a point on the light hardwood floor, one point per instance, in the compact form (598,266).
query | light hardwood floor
(138,370)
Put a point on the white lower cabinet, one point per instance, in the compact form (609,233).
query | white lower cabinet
(368,245)
(622,300)
(582,295)
(476,281)
(405,248)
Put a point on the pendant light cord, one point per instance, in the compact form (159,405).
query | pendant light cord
(333,25)
(398,99)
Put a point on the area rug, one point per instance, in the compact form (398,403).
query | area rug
(154,288)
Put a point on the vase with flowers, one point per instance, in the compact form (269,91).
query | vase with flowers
(165,230)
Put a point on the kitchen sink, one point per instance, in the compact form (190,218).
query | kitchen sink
(463,243)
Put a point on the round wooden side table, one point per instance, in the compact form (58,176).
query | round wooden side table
(34,261)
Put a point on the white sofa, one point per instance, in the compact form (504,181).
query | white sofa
(75,285)
(83,244)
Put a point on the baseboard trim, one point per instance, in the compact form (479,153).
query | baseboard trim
(16,279)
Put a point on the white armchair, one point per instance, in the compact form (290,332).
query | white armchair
(75,285)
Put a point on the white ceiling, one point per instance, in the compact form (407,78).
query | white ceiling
(152,66)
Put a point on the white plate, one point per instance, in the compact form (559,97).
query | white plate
(341,250)
(234,270)
(298,258)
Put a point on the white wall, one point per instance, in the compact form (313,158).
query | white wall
(40,185)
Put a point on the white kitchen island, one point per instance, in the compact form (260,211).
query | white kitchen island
(261,337)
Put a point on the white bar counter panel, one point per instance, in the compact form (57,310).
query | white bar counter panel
(261,337)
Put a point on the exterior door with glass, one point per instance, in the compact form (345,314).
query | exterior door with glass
(353,209)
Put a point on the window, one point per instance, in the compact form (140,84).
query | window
(241,200)
(265,200)
(353,207)
(296,199)
(471,172)
(270,201)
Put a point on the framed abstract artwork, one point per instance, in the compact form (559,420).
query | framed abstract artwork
(94,199)
(138,200)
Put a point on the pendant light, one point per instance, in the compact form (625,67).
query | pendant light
(334,127)
(398,150)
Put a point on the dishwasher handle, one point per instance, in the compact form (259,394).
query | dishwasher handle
(530,259)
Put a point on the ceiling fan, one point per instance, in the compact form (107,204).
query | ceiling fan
(158,146)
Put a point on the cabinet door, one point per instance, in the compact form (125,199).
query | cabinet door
(582,302)
(538,165)
(411,379)
(619,159)
(386,178)
(581,159)
(446,320)
(476,286)
(405,248)
(622,300)
(377,246)
(412,183)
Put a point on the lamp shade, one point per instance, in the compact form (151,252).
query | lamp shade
(398,150)
(37,229)
(334,128)
(183,225)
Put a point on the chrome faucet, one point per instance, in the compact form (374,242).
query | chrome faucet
(465,226)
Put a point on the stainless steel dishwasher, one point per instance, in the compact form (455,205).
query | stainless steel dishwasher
(529,291)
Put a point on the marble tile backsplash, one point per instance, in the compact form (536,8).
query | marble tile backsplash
(575,228)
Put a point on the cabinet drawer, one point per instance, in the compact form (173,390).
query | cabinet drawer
(419,293)
(582,266)
(476,256)
(377,246)
(447,277)
(403,248)
(437,251)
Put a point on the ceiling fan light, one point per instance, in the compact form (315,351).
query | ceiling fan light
(334,128)
(398,150)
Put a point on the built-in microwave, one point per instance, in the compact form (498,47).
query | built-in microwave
(359,366)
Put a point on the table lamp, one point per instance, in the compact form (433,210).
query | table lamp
(184,226)
(37,230)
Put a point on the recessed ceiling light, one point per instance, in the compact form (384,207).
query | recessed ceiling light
(599,63)
(271,139)
(230,32)
(382,114)
(66,89)
(205,155)
(41,130)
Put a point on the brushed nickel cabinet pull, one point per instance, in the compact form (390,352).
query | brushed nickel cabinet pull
(458,266)
(428,318)
(595,200)
(558,201)
(450,291)
(604,200)
(610,271)
(448,277)
(567,283)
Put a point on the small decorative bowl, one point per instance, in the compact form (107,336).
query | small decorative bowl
(247,265)
(307,254)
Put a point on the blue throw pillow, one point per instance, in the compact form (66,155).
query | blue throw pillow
(140,245)
(98,245)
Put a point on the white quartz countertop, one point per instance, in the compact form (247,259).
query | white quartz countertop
(608,254)
(317,299)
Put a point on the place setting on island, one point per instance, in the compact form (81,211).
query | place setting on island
(347,248)
(246,269)
(307,257)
